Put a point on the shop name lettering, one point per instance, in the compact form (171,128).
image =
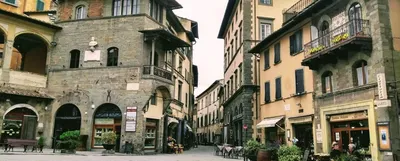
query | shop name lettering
(353,116)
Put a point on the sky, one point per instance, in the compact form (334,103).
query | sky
(208,51)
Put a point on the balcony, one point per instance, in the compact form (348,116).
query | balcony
(296,8)
(149,70)
(354,35)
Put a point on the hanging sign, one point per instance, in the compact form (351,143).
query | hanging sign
(382,91)
(130,119)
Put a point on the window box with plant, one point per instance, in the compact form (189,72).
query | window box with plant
(316,49)
(340,38)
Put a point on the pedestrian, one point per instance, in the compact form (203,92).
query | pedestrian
(352,151)
(335,153)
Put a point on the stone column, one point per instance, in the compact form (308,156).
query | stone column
(153,49)
(8,47)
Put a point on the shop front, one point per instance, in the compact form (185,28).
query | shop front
(274,130)
(150,143)
(107,118)
(302,127)
(348,124)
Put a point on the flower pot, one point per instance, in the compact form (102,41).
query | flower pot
(108,146)
(263,155)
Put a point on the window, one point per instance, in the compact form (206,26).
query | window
(155,59)
(265,30)
(125,7)
(39,5)
(314,36)
(278,90)
(153,99)
(186,100)
(180,66)
(74,61)
(240,36)
(112,56)
(180,91)
(266,59)
(240,74)
(236,80)
(80,12)
(236,41)
(266,2)
(299,81)
(156,10)
(327,82)
(267,97)
(361,72)
(355,16)
(296,42)
(14,2)
(277,49)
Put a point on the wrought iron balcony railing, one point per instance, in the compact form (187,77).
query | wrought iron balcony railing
(354,31)
(296,8)
(157,71)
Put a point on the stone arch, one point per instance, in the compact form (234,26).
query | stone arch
(112,115)
(363,7)
(21,106)
(166,94)
(322,19)
(39,35)
(66,118)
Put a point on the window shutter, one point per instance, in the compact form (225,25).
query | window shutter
(154,99)
(278,90)
(267,97)
(266,59)
(277,49)
(300,40)
(40,5)
(292,44)
(299,81)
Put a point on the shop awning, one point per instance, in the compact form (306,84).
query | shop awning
(172,120)
(269,122)
(189,128)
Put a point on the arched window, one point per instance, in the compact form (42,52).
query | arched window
(360,71)
(80,12)
(355,18)
(74,61)
(314,36)
(112,56)
(325,31)
(327,82)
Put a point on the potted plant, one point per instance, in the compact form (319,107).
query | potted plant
(345,157)
(69,141)
(289,153)
(41,144)
(108,139)
(251,149)
(268,152)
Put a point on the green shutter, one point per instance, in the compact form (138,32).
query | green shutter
(11,1)
(39,5)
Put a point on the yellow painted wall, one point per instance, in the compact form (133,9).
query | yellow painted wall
(155,111)
(24,5)
(395,22)
(286,70)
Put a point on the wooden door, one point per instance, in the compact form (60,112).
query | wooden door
(29,127)
(342,137)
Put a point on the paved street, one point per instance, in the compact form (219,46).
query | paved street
(198,154)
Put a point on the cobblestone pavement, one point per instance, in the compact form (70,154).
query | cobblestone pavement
(202,153)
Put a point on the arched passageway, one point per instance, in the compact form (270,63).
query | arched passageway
(68,118)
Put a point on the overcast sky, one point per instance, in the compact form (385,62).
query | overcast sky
(208,52)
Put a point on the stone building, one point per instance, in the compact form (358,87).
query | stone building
(352,47)
(208,115)
(245,23)
(25,48)
(122,66)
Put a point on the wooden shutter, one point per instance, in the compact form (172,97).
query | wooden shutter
(74,62)
(29,127)
(292,44)
(277,49)
(266,59)
(299,81)
(39,5)
(267,97)
(299,40)
(278,90)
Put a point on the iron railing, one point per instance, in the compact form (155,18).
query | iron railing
(159,72)
(343,34)
(298,7)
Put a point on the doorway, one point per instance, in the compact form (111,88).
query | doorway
(19,123)
(107,117)
(304,134)
(356,132)
(68,118)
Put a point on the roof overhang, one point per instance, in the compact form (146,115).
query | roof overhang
(170,4)
(300,17)
(171,41)
(29,19)
(24,92)
(228,12)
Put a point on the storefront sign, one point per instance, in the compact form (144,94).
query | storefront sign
(383,103)
(381,80)
(384,137)
(319,135)
(130,119)
(301,119)
(350,116)
(104,121)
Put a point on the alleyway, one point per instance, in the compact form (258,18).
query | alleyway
(198,154)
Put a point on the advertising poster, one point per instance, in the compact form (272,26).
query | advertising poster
(383,135)
(130,119)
